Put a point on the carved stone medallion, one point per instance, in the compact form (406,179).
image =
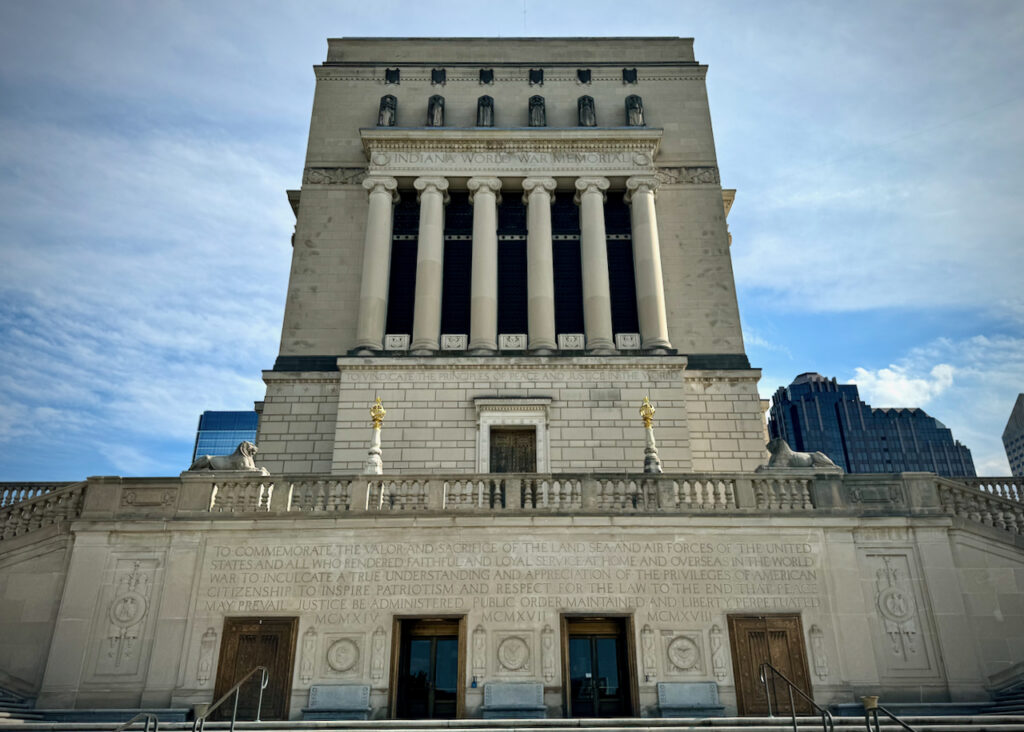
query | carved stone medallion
(513,653)
(683,653)
(342,655)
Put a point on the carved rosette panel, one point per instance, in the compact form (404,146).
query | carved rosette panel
(513,653)
(126,616)
(818,655)
(547,648)
(683,652)
(377,665)
(207,645)
(479,653)
(307,665)
(717,653)
(343,656)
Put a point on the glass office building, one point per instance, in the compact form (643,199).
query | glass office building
(815,413)
(220,432)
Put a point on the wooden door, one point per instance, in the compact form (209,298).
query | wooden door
(251,642)
(513,450)
(597,667)
(774,639)
(429,668)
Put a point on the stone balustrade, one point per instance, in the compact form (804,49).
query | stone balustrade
(992,502)
(11,493)
(43,510)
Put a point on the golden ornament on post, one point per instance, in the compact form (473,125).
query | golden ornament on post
(377,413)
(647,412)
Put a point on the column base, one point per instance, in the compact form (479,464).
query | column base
(601,347)
(543,351)
(422,351)
(482,350)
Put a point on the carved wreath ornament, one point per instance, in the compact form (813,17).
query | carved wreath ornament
(683,653)
(342,655)
(513,653)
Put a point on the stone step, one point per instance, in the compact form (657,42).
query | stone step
(986,723)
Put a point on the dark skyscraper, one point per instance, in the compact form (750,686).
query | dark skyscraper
(815,413)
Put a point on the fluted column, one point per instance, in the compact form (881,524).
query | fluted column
(483,314)
(540,277)
(373,289)
(650,288)
(426,320)
(597,299)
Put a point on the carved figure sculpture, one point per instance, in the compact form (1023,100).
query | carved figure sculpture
(538,117)
(585,110)
(784,457)
(240,459)
(485,111)
(435,111)
(634,111)
(387,111)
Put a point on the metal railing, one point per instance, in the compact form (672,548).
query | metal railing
(200,722)
(827,723)
(871,710)
(148,716)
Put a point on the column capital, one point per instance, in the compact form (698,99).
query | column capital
(542,185)
(484,185)
(591,185)
(428,183)
(381,184)
(641,184)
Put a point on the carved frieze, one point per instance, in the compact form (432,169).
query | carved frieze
(818,655)
(207,645)
(479,653)
(126,616)
(343,657)
(547,649)
(333,176)
(513,652)
(717,653)
(691,175)
(307,664)
(683,652)
(377,663)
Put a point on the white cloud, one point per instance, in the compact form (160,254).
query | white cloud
(896,387)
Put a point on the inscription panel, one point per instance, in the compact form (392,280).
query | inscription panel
(519,583)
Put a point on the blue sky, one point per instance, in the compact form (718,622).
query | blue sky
(145,148)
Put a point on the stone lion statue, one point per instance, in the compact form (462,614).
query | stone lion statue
(784,457)
(240,459)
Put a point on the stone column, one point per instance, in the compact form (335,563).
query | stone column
(650,289)
(483,315)
(597,300)
(426,320)
(540,277)
(373,293)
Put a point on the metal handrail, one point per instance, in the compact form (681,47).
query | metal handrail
(871,715)
(148,716)
(827,723)
(200,722)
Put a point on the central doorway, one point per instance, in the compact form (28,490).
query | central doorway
(774,639)
(598,653)
(429,668)
(513,450)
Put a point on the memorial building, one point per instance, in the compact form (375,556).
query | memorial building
(516,252)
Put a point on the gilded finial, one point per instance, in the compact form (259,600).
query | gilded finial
(377,413)
(647,413)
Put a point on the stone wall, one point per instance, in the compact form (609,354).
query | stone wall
(297,424)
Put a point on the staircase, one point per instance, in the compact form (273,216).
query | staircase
(16,709)
(986,723)
(1009,701)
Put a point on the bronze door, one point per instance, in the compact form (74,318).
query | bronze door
(598,668)
(513,450)
(774,639)
(251,642)
(428,670)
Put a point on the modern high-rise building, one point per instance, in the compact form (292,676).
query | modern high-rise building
(1013,438)
(814,413)
(220,432)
